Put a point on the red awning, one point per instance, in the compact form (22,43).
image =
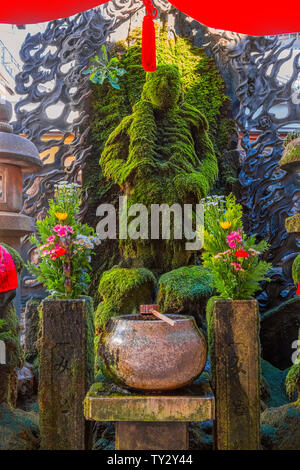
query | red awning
(256,17)
(8,273)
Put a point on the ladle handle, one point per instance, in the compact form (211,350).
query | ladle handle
(163,317)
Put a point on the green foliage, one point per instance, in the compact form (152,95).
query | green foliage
(292,224)
(231,256)
(64,245)
(4,335)
(104,68)
(296,270)
(183,287)
(292,382)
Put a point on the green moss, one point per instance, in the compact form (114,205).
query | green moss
(292,224)
(296,270)
(203,88)
(123,290)
(291,153)
(184,290)
(161,152)
(11,327)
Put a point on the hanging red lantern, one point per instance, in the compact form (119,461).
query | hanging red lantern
(8,273)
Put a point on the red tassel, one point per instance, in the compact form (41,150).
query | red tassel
(298,289)
(148,38)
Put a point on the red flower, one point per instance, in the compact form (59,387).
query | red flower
(60,252)
(242,254)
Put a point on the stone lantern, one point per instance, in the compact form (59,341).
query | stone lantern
(18,156)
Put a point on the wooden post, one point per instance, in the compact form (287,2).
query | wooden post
(151,436)
(235,363)
(66,371)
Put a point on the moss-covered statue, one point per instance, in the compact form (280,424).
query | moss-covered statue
(9,335)
(161,153)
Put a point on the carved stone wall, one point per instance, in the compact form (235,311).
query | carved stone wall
(268,193)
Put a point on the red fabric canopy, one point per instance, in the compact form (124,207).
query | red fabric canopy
(8,273)
(256,17)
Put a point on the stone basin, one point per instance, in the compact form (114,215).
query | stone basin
(146,353)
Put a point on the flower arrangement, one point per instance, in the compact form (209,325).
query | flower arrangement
(65,245)
(231,256)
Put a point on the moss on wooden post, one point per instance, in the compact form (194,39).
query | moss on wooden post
(235,366)
(66,371)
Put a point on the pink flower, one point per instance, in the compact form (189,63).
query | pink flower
(237,266)
(63,230)
(45,253)
(254,252)
(233,238)
(51,239)
(224,253)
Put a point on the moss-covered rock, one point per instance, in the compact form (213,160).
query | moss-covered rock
(291,155)
(296,270)
(278,330)
(292,224)
(123,290)
(293,381)
(280,427)
(19,429)
(275,379)
(185,290)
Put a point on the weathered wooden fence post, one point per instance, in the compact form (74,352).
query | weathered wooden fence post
(235,363)
(66,372)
